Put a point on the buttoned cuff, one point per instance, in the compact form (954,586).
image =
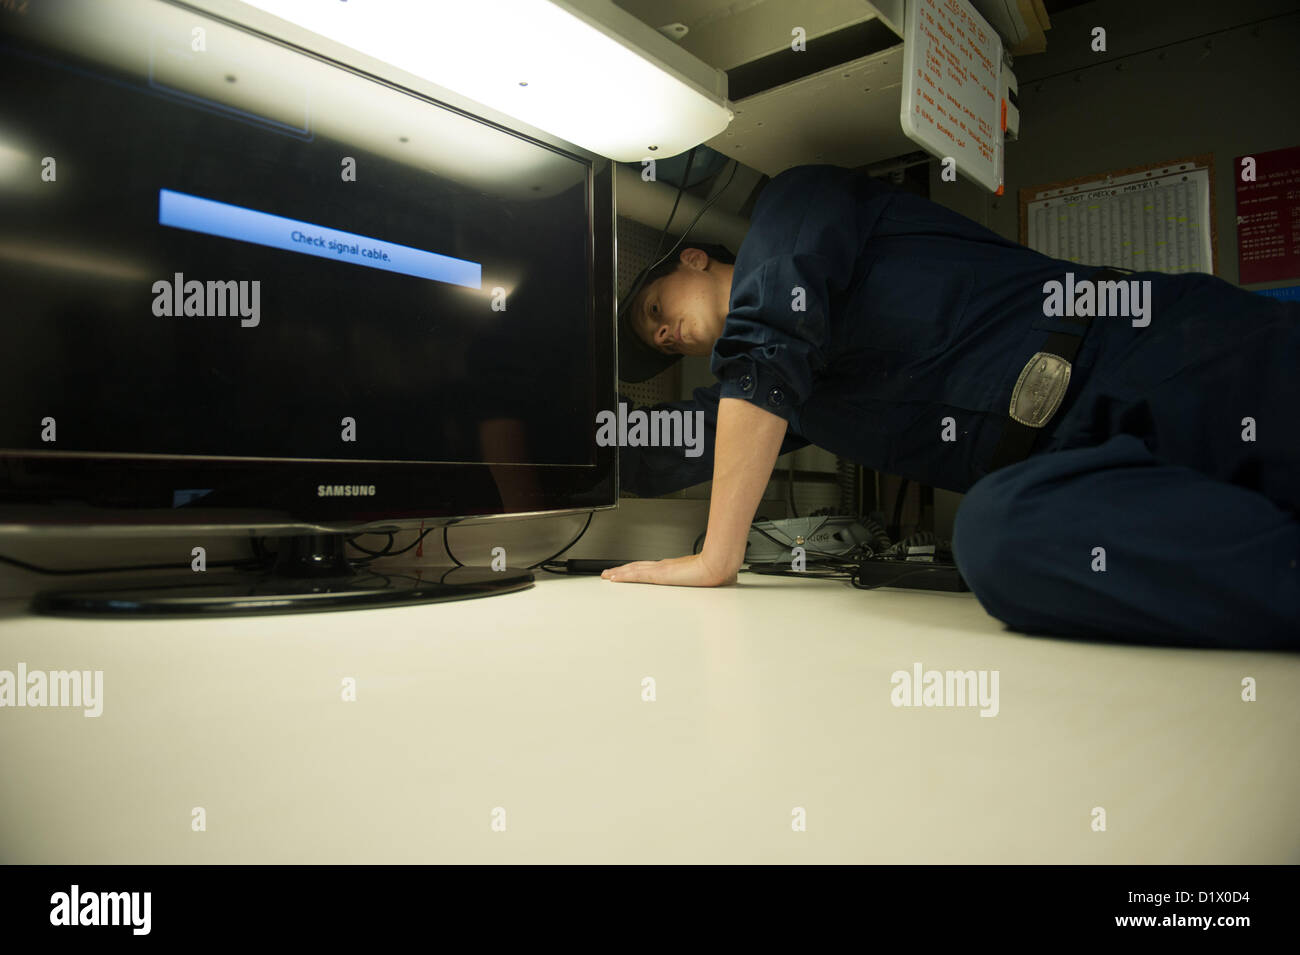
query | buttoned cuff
(749,382)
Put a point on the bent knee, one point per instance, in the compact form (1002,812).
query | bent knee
(979,531)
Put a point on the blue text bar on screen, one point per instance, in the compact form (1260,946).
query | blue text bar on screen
(196,214)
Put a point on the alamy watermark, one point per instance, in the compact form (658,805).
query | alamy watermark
(946,688)
(102,908)
(213,299)
(84,688)
(1122,298)
(655,429)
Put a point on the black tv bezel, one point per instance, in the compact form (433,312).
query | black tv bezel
(49,491)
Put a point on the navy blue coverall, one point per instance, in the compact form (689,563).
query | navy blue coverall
(915,314)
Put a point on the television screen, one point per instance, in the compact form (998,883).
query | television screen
(235,273)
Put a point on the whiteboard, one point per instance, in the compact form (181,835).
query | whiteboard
(952,92)
(1155,220)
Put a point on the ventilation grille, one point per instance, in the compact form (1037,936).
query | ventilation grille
(832,49)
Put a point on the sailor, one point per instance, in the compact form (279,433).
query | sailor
(1132,477)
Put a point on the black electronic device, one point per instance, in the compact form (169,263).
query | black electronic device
(580,565)
(253,289)
(876,572)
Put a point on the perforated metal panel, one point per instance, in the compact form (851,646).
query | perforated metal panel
(636,247)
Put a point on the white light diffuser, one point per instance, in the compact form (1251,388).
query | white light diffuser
(583,70)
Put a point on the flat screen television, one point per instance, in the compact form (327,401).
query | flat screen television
(248,287)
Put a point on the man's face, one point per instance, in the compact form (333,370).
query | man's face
(683,313)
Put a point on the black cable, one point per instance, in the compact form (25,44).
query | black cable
(917,539)
(789,486)
(819,559)
(446,545)
(897,526)
(382,553)
(656,260)
(640,279)
(907,573)
(58,571)
(423,534)
(260,558)
(808,552)
(784,545)
(257,561)
(590,515)
(681,190)
(780,570)
(846,479)
(716,197)
(880,541)
(388,551)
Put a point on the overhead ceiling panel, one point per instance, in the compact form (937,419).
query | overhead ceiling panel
(835,102)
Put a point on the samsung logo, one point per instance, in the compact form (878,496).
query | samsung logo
(345,490)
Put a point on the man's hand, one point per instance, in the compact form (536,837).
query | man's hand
(747,444)
(692,571)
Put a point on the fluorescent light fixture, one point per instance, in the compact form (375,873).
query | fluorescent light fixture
(583,70)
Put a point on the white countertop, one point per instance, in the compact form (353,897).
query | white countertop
(771,695)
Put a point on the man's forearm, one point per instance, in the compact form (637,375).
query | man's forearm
(746,448)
